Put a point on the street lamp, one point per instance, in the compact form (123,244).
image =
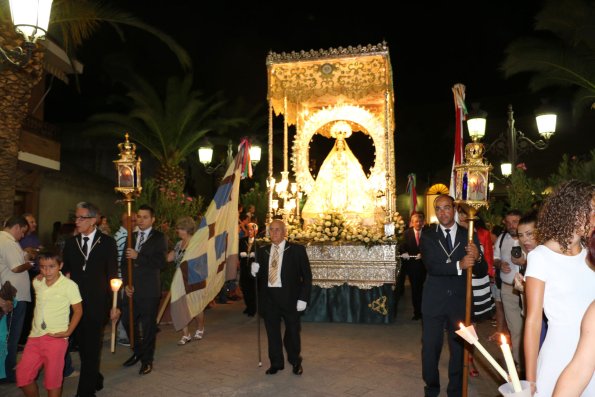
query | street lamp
(31,19)
(512,142)
(205,156)
(129,184)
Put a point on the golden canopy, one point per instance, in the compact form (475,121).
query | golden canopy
(313,89)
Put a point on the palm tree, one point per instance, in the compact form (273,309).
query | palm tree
(169,125)
(563,55)
(72,23)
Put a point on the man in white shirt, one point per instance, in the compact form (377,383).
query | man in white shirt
(14,266)
(508,270)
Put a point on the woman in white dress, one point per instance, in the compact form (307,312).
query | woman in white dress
(559,282)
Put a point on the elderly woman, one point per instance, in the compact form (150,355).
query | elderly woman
(185,228)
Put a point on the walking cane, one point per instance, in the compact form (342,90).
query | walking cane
(257,321)
(251,246)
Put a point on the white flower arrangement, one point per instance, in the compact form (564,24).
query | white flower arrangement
(333,227)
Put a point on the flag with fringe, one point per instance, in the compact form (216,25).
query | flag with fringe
(213,249)
(411,182)
(458,91)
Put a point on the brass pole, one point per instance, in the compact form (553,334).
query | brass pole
(468,303)
(129,245)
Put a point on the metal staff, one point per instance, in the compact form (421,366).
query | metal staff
(257,311)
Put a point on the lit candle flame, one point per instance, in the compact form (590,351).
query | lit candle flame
(115,283)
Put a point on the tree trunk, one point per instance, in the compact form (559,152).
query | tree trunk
(16,84)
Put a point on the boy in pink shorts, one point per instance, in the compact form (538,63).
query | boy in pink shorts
(46,346)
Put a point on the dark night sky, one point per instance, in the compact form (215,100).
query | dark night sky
(431,49)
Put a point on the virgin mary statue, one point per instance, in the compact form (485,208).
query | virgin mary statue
(341,185)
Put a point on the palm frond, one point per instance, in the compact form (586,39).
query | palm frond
(77,21)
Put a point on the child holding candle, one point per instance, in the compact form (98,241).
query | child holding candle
(559,281)
(52,325)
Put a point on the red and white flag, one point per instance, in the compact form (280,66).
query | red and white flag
(458,91)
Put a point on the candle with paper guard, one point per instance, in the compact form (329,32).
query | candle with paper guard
(514,377)
(115,283)
(473,340)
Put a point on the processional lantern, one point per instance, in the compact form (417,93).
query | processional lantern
(471,192)
(129,184)
(128,168)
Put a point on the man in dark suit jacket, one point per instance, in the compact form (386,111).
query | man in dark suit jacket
(91,259)
(247,256)
(412,264)
(284,282)
(444,294)
(149,255)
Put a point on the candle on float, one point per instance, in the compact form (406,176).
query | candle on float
(514,377)
(115,284)
(471,338)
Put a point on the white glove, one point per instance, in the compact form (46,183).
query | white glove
(252,255)
(301,305)
(243,255)
(405,255)
(418,256)
(254,268)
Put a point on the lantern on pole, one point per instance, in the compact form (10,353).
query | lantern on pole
(471,192)
(129,184)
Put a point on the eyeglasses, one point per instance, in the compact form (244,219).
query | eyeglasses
(82,218)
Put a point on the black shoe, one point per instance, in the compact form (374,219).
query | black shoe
(145,369)
(99,383)
(131,361)
(416,317)
(297,369)
(273,370)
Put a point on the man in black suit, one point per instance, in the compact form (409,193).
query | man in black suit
(284,282)
(247,256)
(149,255)
(413,266)
(91,259)
(446,253)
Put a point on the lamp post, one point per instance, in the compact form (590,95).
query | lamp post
(129,184)
(205,156)
(30,18)
(471,192)
(512,142)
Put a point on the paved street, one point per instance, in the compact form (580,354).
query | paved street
(340,359)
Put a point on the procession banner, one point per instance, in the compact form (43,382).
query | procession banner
(213,249)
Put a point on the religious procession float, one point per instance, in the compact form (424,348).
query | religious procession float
(342,212)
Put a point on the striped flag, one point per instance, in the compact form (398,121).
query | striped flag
(458,91)
(213,249)
(411,182)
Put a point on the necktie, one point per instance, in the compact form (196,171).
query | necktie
(274,266)
(417,237)
(85,246)
(141,240)
(448,241)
